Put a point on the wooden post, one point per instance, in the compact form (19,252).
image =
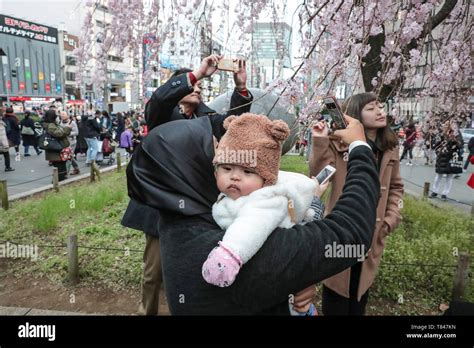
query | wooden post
(96,170)
(55,179)
(95,173)
(4,194)
(119,162)
(73,259)
(461,277)
(426,190)
(92,173)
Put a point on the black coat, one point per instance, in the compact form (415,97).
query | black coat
(162,108)
(163,105)
(172,172)
(81,145)
(92,127)
(446,151)
(28,140)
(13,129)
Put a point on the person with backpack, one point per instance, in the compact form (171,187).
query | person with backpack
(28,134)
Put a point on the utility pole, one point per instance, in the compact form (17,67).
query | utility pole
(105,104)
(5,70)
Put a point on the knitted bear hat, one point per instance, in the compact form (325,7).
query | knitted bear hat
(253,141)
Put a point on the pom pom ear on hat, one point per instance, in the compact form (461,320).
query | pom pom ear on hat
(279,130)
(228,121)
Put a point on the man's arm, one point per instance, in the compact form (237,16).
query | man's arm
(240,102)
(241,99)
(159,108)
(293,259)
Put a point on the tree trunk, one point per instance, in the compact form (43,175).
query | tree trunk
(373,62)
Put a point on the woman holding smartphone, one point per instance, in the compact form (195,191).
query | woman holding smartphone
(346,293)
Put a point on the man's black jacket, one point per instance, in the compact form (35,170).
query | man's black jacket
(163,105)
(172,172)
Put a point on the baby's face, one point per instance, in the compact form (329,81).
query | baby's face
(236,181)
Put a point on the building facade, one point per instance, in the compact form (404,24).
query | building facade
(271,52)
(30,66)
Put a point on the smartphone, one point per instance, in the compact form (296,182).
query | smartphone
(335,112)
(325,174)
(228,64)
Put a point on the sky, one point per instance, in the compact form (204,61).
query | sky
(69,13)
(47,12)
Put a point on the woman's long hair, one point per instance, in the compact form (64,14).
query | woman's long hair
(386,138)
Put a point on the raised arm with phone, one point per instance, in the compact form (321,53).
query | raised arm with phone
(180,97)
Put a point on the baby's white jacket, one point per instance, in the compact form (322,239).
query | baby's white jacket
(249,220)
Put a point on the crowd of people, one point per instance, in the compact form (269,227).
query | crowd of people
(92,134)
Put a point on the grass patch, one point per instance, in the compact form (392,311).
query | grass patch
(421,254)
(294,164)
(92,211)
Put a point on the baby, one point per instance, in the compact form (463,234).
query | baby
(256,197)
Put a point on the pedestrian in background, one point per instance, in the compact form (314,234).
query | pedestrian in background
(126,140)
(448,162)
(52,127)
(28,134)
(13,130)
(68,121)
(409,143)
(5,146)
(81,144)
(92,134)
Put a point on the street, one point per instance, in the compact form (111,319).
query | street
(414,178)
(32,172)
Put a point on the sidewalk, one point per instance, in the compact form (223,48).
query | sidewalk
(19,311)
(33,172)
(461,196)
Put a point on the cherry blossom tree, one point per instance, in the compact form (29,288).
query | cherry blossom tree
(410,50)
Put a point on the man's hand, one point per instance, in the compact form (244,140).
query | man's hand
(353,132)
(240,77)
(208,66)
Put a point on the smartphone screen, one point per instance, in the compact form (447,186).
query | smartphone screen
(325,174)
(335,113)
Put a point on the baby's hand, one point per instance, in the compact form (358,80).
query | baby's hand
(319,190)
